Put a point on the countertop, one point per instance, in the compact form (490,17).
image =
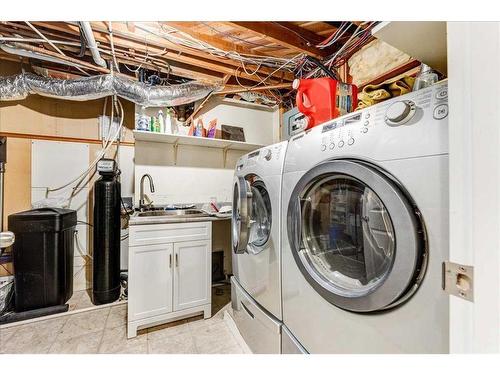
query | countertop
(135,220)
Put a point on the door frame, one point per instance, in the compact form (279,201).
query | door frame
(474,139)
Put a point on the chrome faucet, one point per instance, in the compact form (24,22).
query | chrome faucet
(142,201)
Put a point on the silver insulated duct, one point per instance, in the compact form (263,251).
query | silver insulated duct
(18,87)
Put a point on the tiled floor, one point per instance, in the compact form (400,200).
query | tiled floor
(81,300)
(221,296)
(104,331)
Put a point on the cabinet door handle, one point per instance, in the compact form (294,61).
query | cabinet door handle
(177,260)
(170,260)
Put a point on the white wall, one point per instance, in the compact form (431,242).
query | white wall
(200,173)
(474,94)
(260,124)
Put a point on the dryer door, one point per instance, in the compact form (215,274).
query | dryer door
(241,214)
(252,215)
(355,236)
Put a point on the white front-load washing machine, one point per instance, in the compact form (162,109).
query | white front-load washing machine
(255,227)
(365,229)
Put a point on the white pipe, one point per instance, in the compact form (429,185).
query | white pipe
(91,43)
(110,29)
(51,44)
(34,55)
(34,40)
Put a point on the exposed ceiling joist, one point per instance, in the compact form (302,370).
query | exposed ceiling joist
(189,28)
(145,42)
(282,36)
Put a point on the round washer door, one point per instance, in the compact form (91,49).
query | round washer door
(354,235)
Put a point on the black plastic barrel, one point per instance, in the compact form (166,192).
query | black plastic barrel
(106,251)
(43,257)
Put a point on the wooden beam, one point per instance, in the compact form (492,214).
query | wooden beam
(213,40)
(58,138)
(282,36)
(307,34)
(409,66)
(259,88)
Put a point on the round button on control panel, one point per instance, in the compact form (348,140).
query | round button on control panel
(441,111)
(442,94)
(400,112)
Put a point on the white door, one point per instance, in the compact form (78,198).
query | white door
(474,94)
(192,276)
(150,281)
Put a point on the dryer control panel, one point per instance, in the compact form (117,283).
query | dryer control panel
(269,158)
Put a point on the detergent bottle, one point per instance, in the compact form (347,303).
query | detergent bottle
(323,99)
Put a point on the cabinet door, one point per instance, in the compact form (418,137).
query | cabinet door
(192,274)
(150,281)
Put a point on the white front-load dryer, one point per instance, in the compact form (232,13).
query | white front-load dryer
(256,257)
(365,229)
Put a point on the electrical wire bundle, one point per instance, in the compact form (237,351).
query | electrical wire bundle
(178,37)
(359,37)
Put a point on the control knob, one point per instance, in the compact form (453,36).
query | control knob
(400,112)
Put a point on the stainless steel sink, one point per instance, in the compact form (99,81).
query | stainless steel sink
(173,213)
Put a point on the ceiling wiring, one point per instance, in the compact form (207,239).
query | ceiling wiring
(229,35)
(340,44)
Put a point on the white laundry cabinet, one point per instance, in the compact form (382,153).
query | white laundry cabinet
(169,275)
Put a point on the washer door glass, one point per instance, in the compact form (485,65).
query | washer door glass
(260,222)
(355,236)
(348,234)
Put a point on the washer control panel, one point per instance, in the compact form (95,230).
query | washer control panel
(344,131)
(407,111)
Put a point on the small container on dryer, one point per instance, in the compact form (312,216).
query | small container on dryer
(323,99)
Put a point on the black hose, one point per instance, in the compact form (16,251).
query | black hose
(83,42)
(316,62)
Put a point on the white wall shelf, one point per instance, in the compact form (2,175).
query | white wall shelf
(176,140)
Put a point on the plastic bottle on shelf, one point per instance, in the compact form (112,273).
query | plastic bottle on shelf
(155,124)
(168,123)
(161,120)
(142,121)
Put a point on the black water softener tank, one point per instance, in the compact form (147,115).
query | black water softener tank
(106,251)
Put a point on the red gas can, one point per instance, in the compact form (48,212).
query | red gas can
(322,99)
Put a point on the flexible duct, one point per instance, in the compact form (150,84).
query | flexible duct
(18,87)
